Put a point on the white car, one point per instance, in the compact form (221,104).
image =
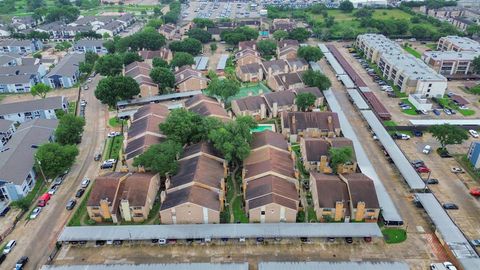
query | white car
(113,134)
(85,182)
(53,190)
(449,266)
(10,245)
(89,80)
(474,133)
(35,213)
(427,149)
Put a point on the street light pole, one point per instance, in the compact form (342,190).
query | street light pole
(40,167)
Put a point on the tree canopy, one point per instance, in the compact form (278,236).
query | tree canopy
(188,45)
(155,23)
(300,34)
(223,88)
(280,34)
(53,159)
(109,65)
(346,6)
(476,64)
(316,79)
(164,77)
(181,59)
(148,39)
(66,14)
(203,23)
(447,134)
(130,57)
(305,100)
(234,36)
(70,129)
(160,158)
(200,34)
(40,90)
(310,53)
(116,88)
(267,47)
(159,62)
(339,156)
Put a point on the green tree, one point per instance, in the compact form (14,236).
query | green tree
(54,158)
(40,90)
(329,21)
(160,158)
(234,36)
(181,59)
(34,4)
(164,77)
(339,156)
(159,62)
(317,8)
(113,89)
(305,101)
(213,47)
(346,6)
(183,127)
(157,11)
(223,88)
(310,53)
(364,13)
(316,79)
(70,129)
(473,29)
(447,134)
(280,34)
(203,23)
(233,139)
(267,47)
(65,14)
(63,46)
(109,65)
(200,34)
(188,45)
(476,64)
(420,31)
(300,34)
(130,57)
(155,23)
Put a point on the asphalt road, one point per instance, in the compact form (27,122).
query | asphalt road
(36,238)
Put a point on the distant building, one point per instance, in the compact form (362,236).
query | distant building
(90,45)
(474,154)
(189,79)
(66,73)
(140,72)
(33,109)
(310,124)
(20,46)
(7,128)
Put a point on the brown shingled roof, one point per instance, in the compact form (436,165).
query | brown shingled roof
(362,189)
(315,148)
(331,189)
(199,169)
(104,187)
(276,65)
(314,90)
(134,189)
(288,42)
(193,194)
(276,161)
(268,137)
(250,68)
(271,184)
(201,147)
(138,146)
(282,98)
(251,103)
(304,120)
(272,198)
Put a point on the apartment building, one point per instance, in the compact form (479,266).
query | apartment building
(249,72)
(90,45)
(309,124)
(454,55)
(140,72)
(7,128)
(20,46)
(254,106)
(121,197)
(315,154)
(188,79)
(410,74)
(32,109)
(66,73)
(207,106)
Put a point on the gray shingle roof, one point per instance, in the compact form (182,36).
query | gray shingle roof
(50,103)
(89,43)
(68,65)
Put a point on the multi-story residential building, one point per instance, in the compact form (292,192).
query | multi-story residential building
(275,67)
(196,194)
(140,72)
(32,109)
(249,44)
(315,154)
(207,106)
(20,46)
(7,128)
(310,124)
(169,31)
(278,102)
(144,131)
(286,81)
(287,49)
(330,197)
(249,72)
(66,73)
(164,53)
(270,182)
(17,159)
(454,55)
(123,197)
(408,73)
(247,56)
(314,91)
(20,78)
(254,106)
(364,204)
(10,59)
(90,45)
(474,154)
(188,79)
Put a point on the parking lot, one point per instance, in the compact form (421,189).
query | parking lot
(218,10)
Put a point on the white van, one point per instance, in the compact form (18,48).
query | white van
(427,149)
(10,245)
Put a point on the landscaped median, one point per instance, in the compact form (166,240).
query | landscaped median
(446,102)
(412,110)
(394,235)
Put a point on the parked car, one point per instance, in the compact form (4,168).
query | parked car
(79,193)
(436,112)
(445,154)
(35,213)
(417,133)
(2,258)
(475,242)
(349,240)
(431,181)
(450,206)
(422,169)
(475,191)
(447,111)
(457,170)
(97,157)
(106,166)
(53,190)
(401,136)
(85,182)
(43,200)
(367,239)
(5,211)
(59,179)
(474,133)
(113,134)
(417,163)
(449,266)
(21,263)
(71,204)
(427,149)
(9,246)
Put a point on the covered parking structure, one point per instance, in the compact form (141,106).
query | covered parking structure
(450,234)
(409,174)
(219,231)
(454,122)
(389,211)
(364,265)
(170,266)
(155,99)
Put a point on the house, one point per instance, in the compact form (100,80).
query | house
(310,124)
(330,197)
(247,56)
(123,197)
(283,24)
(90,45)
(20,78)
(274,67)
(140,72)
(278,102)
(297,64)
(188,79)
(286,81)
(249,44)
(254,106)
(169,31)
(24,22)
(126,19)
(269,180)
(113,28)
(144,131)
(32,109)
(314,91)
(66,73)
(17,174)
(287,49)
(10,59)
(207,106)
(20,46)
(249,72)
(7,128)
(195,195)
(315,154)
(164,53)
(364,204)
(473,154)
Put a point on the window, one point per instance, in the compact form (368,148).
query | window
(262,213)
(429,85)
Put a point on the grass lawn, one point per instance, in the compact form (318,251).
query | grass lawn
(312,216)
(412,51)
(113,147)
(394,235)
(409,111)
(390,123)
(115,122)
(432,46)
(448,103)
(466,112)
(390,14)
(238,211)
(254,89)
(30,199)
(465,163)
(72,106)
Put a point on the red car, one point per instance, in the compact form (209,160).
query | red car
(423,169)
(475,191)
